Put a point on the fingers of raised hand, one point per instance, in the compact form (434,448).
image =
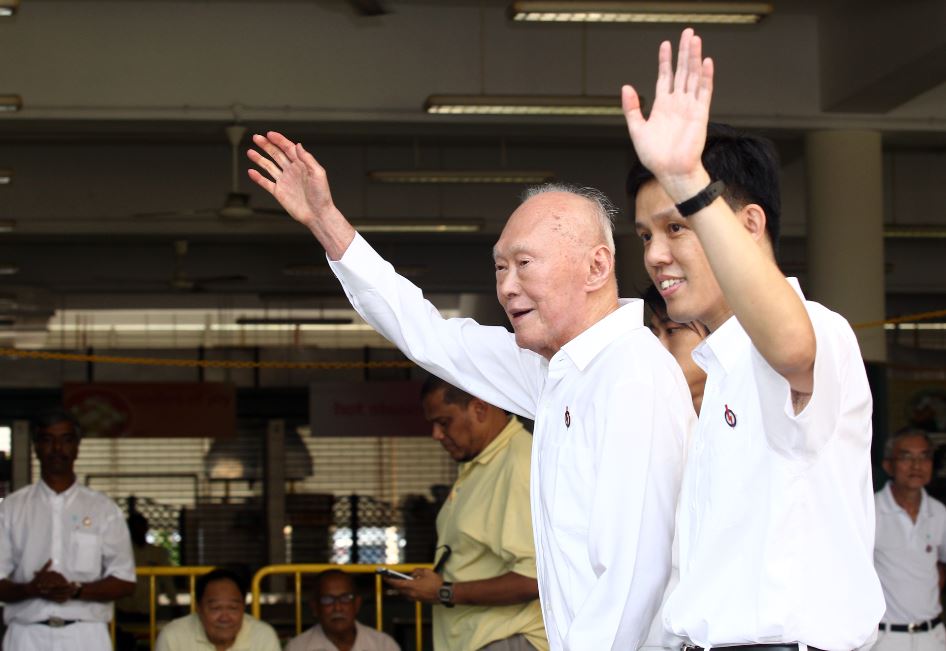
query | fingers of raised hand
(683,61)
(269,166)
(272,143)
(694,65)
(631,105)
(664,69)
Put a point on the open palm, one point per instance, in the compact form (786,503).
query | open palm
(670,141)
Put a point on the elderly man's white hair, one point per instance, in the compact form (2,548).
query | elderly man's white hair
(604,209)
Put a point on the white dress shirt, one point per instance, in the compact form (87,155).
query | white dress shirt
(611,412)
(366,639)
(81,530)
(905,555)
(776,520)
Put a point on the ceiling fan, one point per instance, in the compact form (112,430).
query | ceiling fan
(236,205)
(368,7)
(180,280)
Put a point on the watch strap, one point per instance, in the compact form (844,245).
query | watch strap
(701,199)
(445,594)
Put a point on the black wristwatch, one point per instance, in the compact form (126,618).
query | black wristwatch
(445,593)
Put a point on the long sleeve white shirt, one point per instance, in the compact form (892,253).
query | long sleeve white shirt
(776,519)
(611,412)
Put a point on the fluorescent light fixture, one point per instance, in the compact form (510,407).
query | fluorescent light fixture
(11,102)
(6,177)
(7,225)
(461,176)
(290,321)
(9,269)
(915,326)
(915,231)
(323,271)
(523,104)
(577,11)
(418,225)
(8,7)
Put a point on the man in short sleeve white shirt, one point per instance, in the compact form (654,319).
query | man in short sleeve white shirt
(776,516)
(910,547)
(610,404)
(65,552)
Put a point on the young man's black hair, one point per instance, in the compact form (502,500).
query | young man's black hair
(747,164)
(451,394)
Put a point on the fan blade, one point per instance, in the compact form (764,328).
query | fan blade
(368,7)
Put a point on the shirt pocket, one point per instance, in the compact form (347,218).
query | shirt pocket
(86,553)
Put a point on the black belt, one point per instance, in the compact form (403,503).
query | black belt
(915,627)
(58,622)
(784,646)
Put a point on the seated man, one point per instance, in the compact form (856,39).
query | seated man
(335,604)
(219,623)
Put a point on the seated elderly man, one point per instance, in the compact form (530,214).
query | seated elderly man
(219,623)
(335,604)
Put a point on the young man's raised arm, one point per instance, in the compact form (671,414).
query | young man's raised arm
(670,144)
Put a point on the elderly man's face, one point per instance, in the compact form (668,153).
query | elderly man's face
(541,269)
(337,604)
(221,611)
(910,466)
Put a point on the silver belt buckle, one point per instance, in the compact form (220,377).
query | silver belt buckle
(56,622)
(913,626)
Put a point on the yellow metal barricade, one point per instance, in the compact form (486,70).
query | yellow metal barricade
(298,570)
(150,574)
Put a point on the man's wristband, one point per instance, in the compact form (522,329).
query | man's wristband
(701,199)
(77,592)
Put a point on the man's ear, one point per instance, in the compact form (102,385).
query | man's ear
(601,268)
(480,409)
(754,219)
(888,467)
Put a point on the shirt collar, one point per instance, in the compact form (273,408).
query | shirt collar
(499,443)
(889,505)
(585,347)
(49,493)
(728,338)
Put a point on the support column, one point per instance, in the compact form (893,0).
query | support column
(629,262)
(20,455)
(275,490)
(846,231)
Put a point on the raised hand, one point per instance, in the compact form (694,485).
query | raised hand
(670,141)
(300,185)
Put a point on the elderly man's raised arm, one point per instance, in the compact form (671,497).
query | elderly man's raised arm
(484,361)
(300,185)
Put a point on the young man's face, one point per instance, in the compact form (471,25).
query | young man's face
(675,261)
(539,271)
(911,464)
(221,611)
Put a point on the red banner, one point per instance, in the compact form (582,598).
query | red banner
(367,409)
(153,410)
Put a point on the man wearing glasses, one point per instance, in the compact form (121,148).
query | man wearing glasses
(910,547)
(335,604)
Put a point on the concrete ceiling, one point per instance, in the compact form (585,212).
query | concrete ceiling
(125,105)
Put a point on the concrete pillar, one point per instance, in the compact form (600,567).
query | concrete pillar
(846,231)
(20,455)
(275,490)
(629,261)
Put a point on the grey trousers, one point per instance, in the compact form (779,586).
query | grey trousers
(514,643)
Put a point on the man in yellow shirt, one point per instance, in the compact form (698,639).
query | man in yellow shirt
(487,597)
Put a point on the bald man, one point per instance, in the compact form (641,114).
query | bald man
(610,404)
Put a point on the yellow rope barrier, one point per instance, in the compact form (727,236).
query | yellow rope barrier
(194,363)
(900,319)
